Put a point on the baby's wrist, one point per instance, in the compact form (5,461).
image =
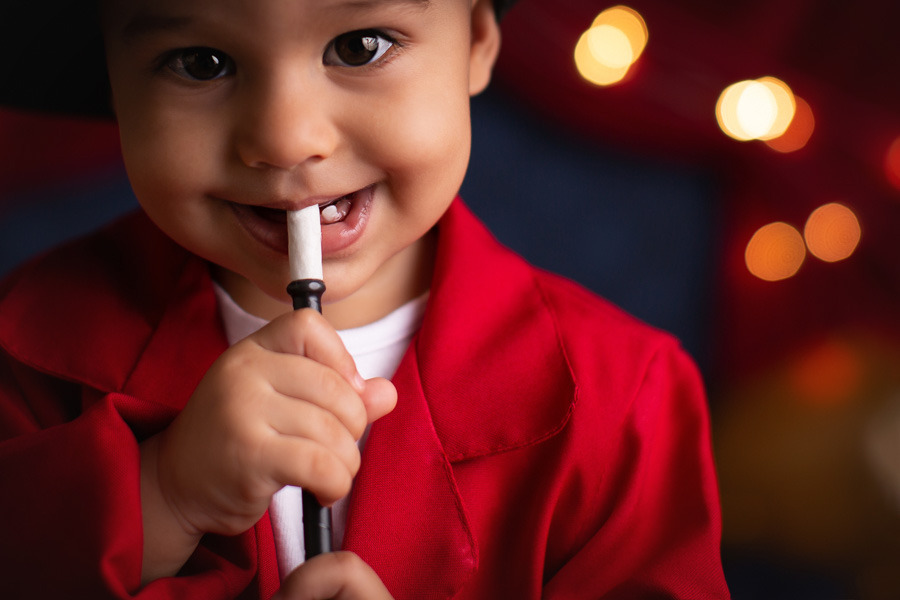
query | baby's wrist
(169,538)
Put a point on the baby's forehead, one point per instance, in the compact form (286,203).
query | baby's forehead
(137,17)
(224,5)
(500,6)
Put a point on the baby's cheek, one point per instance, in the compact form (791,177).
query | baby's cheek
(431,139)
(168,160)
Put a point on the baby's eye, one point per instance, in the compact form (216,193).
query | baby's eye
(357,48)
(200,64)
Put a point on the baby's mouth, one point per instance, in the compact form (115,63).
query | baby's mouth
(330,213)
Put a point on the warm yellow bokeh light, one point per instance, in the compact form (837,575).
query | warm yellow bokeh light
(592,69)
(610,46)
(629,22)
(757,110)
(832,232)
(785,106)
(775,252)
(727,110)
(606,51)
(760,109)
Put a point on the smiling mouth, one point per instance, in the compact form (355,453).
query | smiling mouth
(330,213)
(343,221)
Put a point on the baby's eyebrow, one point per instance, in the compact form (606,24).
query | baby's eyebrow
(146,23)
(377,2)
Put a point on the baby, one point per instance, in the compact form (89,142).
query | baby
(521,438)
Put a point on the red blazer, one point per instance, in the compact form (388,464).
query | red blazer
(544,443)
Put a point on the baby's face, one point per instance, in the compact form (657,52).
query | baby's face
(232,111)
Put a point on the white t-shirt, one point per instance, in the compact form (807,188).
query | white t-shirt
(377,349)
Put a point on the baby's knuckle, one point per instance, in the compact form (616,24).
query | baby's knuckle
(344,403)
(331,430)
(356,418)
(346,560)
(239,359)
(353,460)
(331,384)
(304,320)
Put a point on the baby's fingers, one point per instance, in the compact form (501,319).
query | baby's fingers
(301,378)
(307,333)
(321,471)
(379,397)
(338,575)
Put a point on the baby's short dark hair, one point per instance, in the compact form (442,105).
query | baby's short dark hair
(51,57)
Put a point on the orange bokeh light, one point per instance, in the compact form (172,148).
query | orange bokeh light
(832,232)
(799,131)
(775,252)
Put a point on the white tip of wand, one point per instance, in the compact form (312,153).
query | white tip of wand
(305,243)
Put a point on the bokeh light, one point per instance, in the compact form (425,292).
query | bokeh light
(629,22)
(610,46)
(775,252)
(760,109)
(799,130)
(892,163)
(785,107)
(605,52)
(727,110)
(832,232)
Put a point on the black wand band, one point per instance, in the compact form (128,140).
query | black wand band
(307,293)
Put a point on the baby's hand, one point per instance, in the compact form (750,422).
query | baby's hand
(285,406)
(337,575)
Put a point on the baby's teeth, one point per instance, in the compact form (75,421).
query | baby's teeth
(330,214)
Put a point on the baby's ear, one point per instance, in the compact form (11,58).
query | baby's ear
(485,45)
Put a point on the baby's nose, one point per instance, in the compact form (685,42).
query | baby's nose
(283,125)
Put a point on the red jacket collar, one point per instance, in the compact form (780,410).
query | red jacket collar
(109,311)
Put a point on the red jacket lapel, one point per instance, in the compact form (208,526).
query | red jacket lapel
(406,517)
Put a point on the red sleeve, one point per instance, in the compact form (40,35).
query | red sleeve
(70,515)
(660,535)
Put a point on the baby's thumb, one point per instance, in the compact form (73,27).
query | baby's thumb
(333,575)
(380,398)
